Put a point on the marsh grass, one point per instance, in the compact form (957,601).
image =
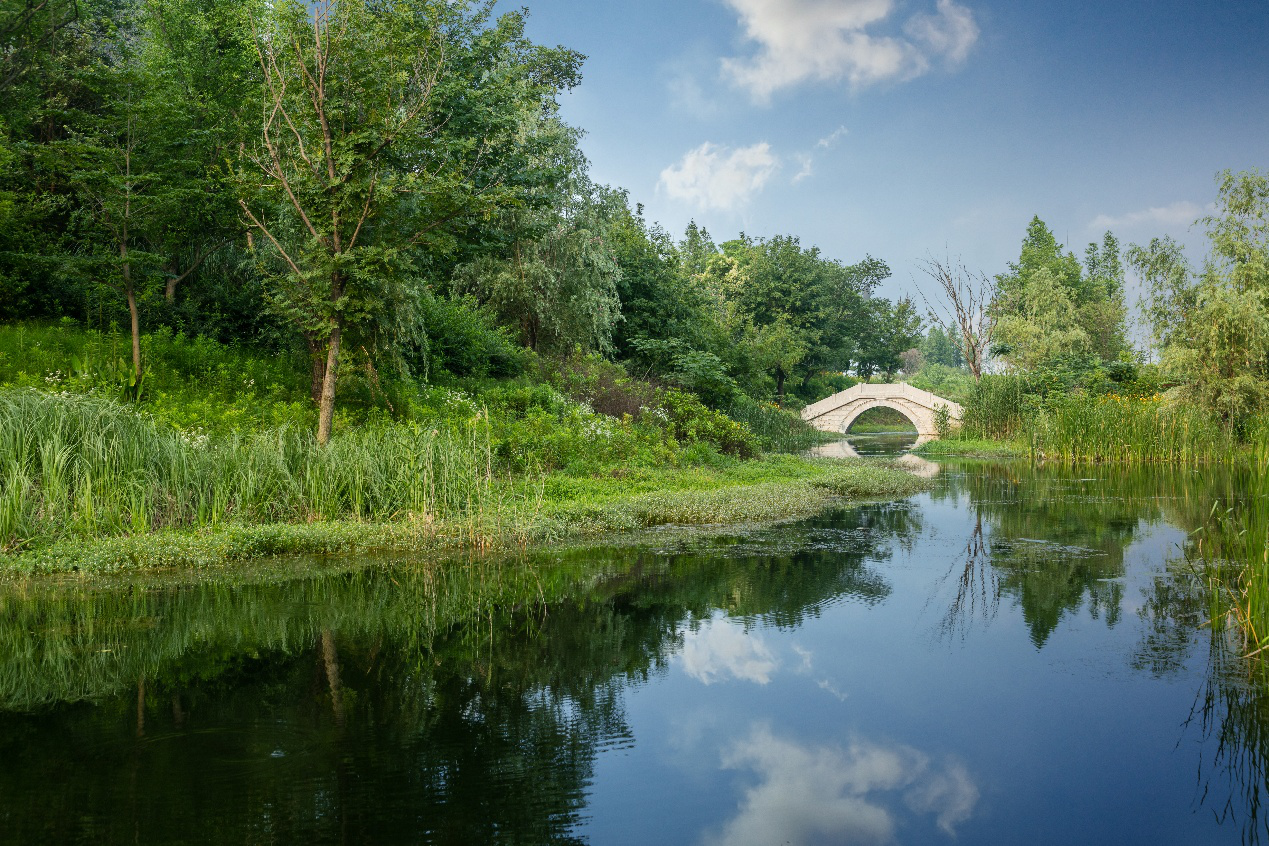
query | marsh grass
(1127,430)
(506,514)
(1234,550)
(81,466)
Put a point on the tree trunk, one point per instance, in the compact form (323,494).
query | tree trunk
(780,386)
(326,408)
(317,357)
(131,294)
(330,658)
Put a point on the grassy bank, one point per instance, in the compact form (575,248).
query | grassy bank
(91,484)
(508,514)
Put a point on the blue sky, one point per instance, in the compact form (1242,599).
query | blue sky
(901,128)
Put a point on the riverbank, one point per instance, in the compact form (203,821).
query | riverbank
(517,513)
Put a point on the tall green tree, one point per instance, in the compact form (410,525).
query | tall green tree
(556,286)
(818,305)
(1214,327)
(1049,307)
(376,123)
(895,329)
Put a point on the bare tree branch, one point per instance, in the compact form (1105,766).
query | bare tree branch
(964,310)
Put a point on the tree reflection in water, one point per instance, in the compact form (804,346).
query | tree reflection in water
(456,704)
(469,702)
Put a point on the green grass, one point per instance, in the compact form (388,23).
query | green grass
(218,462)
(973,448)
(87,467)
(512,514)
(1233,549)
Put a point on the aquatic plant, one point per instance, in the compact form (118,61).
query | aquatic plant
(85,466)
(1128,430)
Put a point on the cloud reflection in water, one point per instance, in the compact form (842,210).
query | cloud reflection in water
(808,794)
(720,649)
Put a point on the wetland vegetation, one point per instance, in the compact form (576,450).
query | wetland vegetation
(306,420)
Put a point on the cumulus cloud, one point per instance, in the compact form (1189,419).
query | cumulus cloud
(717,177)
(827,41)
(949,32)
(809,794)
(1178,214)
(720,650)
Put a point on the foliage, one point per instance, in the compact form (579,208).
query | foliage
(1049,307)
(955,384)
(557,282)
(995,408)
(937,347)
(777,429)
(1214,329)
(80,466)
(1126,430)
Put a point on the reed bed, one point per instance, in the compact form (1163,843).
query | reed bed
(84,466)
(1234,549)
(1128,430)
(995,409)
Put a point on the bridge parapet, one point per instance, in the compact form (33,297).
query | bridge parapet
(836,413)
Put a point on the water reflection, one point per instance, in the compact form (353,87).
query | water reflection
(474,701)
(839,794)
(720,649)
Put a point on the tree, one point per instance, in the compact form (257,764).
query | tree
(127,167)
(27,29)
(938,348)
(1094,322)
(1042,328)
(1170,297)
(899,330)
(557,285)
(1103,312)
(378,125)
(1215,328)
(200,54)
(964,309)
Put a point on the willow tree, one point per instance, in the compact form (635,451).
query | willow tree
(381,125)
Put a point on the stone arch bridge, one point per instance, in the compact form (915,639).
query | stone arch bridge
(836,413)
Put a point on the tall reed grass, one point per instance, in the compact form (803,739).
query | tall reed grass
(84,466)
(1127,430)
(995,409)
(1234,549)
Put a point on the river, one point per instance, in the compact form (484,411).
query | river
(1016,656)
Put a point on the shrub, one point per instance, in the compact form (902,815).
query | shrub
(690,420)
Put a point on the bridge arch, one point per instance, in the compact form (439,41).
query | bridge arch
(856,412)
(836,413)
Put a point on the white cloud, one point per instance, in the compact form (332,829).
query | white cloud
(829,141)
(808,794)
(719,649)
(950,32)
(1179,214)
(807,169)
(826,41)
(807,160)
(715,177)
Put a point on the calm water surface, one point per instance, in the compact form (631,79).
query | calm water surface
(1014,657)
